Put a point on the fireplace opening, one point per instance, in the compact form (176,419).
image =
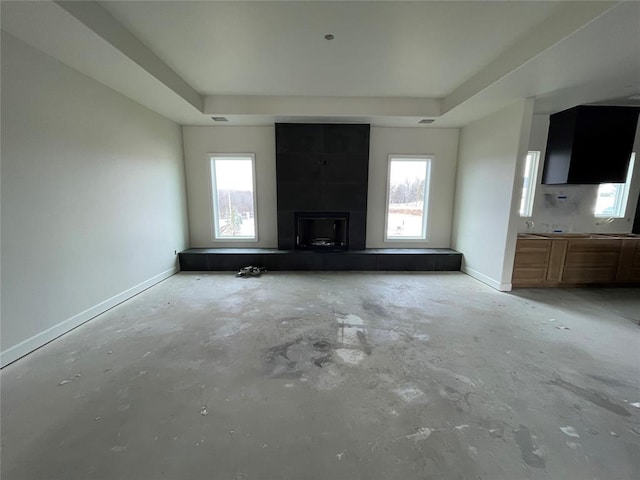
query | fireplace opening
(322,230)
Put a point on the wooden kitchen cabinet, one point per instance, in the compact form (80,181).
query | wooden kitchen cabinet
(530,264)
(572,260)
(591,261)
(557,256)
(629,265)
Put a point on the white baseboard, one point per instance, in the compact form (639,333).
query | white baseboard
(30,344)
(503,287)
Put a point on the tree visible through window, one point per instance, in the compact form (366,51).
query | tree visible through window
(233,192)
(611,201)
(407,197)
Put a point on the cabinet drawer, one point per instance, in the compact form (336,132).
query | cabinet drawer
(589,274)
(529,275)
(592,259)
(531,259)
(532,245)
(594,245)
(532,253)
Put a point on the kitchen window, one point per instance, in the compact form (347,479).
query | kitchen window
(407,197)
(611,201)
(529,183)
(233,196)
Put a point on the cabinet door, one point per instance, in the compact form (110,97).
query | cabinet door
(532,253)
(591,261)
(557,257)
(627,259)
(634,275)
(530,263)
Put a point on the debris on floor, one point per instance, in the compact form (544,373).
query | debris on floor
(69,380)
(570,431)
(422,434)
(250,271)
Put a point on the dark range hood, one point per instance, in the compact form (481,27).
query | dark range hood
(590,145)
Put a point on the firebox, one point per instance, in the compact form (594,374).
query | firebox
(322,230)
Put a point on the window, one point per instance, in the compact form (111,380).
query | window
(529,183)
(407,197)
(611,201)
(233,195)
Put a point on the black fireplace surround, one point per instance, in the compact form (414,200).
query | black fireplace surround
(322,175)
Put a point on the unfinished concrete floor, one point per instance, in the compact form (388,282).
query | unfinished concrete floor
(334,376)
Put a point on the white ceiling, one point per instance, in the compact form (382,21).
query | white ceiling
(419,49)
(390,63)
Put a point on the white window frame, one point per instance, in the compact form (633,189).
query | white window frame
(427,188)
(526,201)
(623,198)
(213,205)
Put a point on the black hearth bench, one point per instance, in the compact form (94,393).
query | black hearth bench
(371,259)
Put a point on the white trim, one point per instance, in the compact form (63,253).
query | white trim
(428,158)
(214,200)
(503,287)
(38,340)
(533,183)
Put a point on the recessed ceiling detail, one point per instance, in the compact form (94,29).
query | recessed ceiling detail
(398,62)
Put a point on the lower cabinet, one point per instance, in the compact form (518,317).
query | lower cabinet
(581,261)
(530,264)
(629,269)
(591,261)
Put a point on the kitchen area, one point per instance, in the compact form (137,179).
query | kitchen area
(576,259)
(566,241)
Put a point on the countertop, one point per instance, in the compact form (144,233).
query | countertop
(571,236)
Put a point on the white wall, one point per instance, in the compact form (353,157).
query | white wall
(93,198)
(491,157)
(575,214)
(443,144)
(201,141)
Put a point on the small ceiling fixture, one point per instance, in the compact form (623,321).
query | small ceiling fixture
(219,119)
(329,36)
(427,120)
